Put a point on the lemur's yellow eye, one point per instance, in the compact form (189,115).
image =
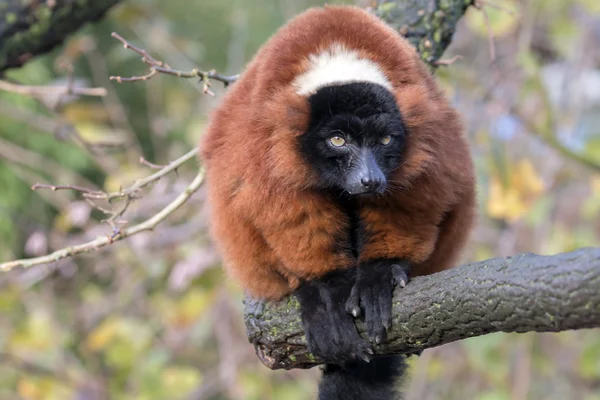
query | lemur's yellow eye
(337,141)
(386,140)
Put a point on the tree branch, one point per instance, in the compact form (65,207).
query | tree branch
(428,25)
(29,28)
(127,194)
(157,66)
(525,293)
(40,90)
(103,241)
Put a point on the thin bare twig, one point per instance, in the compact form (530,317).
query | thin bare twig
(142,183)
(135,78)
(103,241)
(157,66)
(480,6)
(151,165)
(112,103)
(117,214)
(499,7)
(130,191)
(449,61)
(58,127)
(129,194)
(65,187)
(44,90)
(98,207)
(27,175)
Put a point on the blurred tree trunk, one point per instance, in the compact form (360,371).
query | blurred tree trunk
(32,27)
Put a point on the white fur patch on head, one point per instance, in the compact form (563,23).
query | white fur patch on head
(336,66)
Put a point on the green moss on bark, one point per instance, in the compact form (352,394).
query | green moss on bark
(29,28)
(524,293)
(428,25)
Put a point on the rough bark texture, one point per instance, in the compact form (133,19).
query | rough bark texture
(524,293)
(427,24)
(32,27)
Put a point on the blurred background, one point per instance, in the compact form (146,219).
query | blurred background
(153,317)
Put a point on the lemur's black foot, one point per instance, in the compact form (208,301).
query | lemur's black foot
(373,291)
(330,331)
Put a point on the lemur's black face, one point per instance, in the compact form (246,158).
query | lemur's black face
(356,137)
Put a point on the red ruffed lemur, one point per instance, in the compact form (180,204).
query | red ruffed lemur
(337,169)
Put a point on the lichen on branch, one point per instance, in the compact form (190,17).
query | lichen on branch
(428,25)
(29,28)
(524,293)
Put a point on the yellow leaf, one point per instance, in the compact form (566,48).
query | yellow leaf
(9,299)
(84,111)
(191,307)
(593,6)
(560,240)
(255,384)
(30,388)
(179,105)
(595,185)
(504,202)
(37,334)
(100,337)
(591,206)
(121,340)
(126,177)
(513,200)
(482,253)
(62,222)
(435,369)
(100,133)
(180,381)
(527,180)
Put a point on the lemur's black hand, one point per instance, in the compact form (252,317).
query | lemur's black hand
(330,331)
(373,291)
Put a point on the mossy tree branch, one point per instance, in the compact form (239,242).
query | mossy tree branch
(525,293)
(428,25)
(31,27)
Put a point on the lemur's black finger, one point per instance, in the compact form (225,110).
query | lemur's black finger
(370,302)
(385,307)
(400,275)
(364,351)
(353,302)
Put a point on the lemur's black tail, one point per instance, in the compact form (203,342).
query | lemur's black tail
(359,380)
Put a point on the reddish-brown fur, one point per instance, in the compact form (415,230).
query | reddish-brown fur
(271,225)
